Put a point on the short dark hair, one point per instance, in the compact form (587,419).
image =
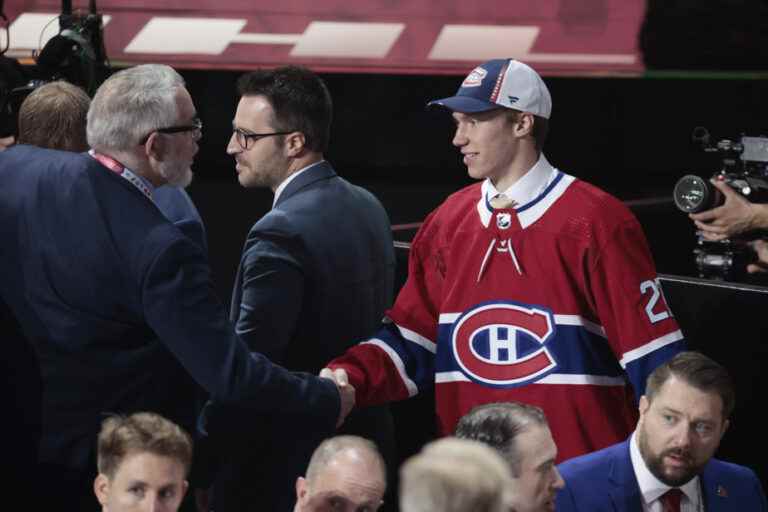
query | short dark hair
(540,127)
(141,432)
(498,424)
(54,116)
(698,371)
(299,98)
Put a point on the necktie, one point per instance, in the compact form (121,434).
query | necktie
(670,500)
(501,201)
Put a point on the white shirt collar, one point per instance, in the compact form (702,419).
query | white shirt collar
(530,184)
(651,488)
(286,181)
(533,193)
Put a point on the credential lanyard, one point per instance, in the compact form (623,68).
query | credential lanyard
(121,170)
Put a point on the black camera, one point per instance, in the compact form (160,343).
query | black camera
(77,55)
(744,168)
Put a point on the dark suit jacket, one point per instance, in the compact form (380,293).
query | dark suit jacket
(316,276)
(119,307)
(177,206)
(604,481)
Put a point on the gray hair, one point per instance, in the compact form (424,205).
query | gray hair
(131,104)
(498,425)
(330,448)
(455,475)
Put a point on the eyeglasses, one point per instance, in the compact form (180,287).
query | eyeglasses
(246,139)
(196,128)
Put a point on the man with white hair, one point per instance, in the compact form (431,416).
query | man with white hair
(455,475)
(116,301)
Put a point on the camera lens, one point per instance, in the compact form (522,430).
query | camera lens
(693,194)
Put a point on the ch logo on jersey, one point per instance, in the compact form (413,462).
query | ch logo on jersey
(504,344)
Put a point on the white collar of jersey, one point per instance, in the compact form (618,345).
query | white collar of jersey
(535,192)
(651,488)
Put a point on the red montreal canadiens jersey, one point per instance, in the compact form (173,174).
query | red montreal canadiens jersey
(554,303)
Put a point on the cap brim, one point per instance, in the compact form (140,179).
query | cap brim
(463,104)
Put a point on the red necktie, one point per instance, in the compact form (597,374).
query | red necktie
(670,500)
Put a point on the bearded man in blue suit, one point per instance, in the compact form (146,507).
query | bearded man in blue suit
(667,464)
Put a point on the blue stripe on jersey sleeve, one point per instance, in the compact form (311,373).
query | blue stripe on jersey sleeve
(639,369)
(419,362)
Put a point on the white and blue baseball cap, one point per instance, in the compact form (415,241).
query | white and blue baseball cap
(498,83)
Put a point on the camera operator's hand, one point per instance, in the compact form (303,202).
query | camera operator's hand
(736,215)
(761,265)
(6,142)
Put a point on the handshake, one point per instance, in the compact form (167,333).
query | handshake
(346,391)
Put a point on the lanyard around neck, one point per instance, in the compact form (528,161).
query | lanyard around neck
(121,170)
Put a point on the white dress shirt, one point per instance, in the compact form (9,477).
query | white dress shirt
(651,489)
(286,181)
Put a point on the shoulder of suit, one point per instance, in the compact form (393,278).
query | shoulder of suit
(591,461)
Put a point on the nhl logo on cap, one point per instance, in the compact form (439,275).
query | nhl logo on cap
(475,78)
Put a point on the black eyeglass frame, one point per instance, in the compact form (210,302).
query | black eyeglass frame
(196,126)
(249,138)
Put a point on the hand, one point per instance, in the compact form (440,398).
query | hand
(6,142)
(761,265)
(346,391)
(736,215)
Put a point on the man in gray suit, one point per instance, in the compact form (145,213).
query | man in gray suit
(315,277)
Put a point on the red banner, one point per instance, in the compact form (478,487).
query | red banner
(377,36)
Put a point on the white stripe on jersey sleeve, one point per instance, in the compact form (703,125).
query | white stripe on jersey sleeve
(596,380)
(552,378)
(441,377)
(417,338)
(409,384)
(581,321)
(448,318)
(649,347)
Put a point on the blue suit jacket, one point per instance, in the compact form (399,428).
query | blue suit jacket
(604,481)
(317,271)
(118,304)
(315,277)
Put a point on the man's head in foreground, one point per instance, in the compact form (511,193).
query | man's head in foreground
(520,434)
(53,116)
(345,473)
(683,416)
(143,460)
(455,475)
